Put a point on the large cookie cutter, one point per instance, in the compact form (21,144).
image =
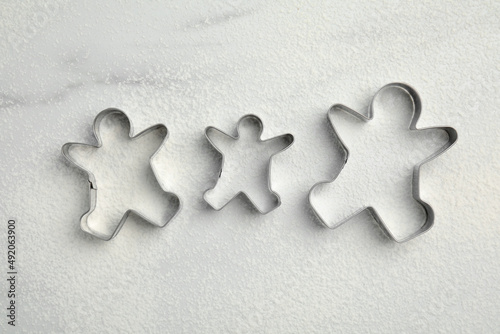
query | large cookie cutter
(417,108)
(92,181)
(286,137)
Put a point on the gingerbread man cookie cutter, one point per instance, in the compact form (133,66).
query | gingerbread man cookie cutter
(287,139)
(93,189)
(415,184)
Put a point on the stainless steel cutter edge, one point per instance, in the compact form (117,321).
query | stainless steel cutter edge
(417,109)
(269,173)
(92,181)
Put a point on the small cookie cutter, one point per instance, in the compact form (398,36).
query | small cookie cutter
(287,137)
(417,108)
(92,181)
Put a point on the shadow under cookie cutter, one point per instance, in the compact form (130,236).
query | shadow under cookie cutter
(288,138)
(92,181)
(417,108)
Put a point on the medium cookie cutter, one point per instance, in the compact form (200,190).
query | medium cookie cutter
(92,181)
(287,137)
(417,108)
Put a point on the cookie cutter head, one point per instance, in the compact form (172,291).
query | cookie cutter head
(92,180)
(415,184)
(287,138)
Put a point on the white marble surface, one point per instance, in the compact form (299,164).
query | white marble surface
(192,64)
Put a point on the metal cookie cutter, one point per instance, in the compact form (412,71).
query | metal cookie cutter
(92,181)
(286,141)
(417,108)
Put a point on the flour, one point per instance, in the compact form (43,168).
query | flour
(189,65)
